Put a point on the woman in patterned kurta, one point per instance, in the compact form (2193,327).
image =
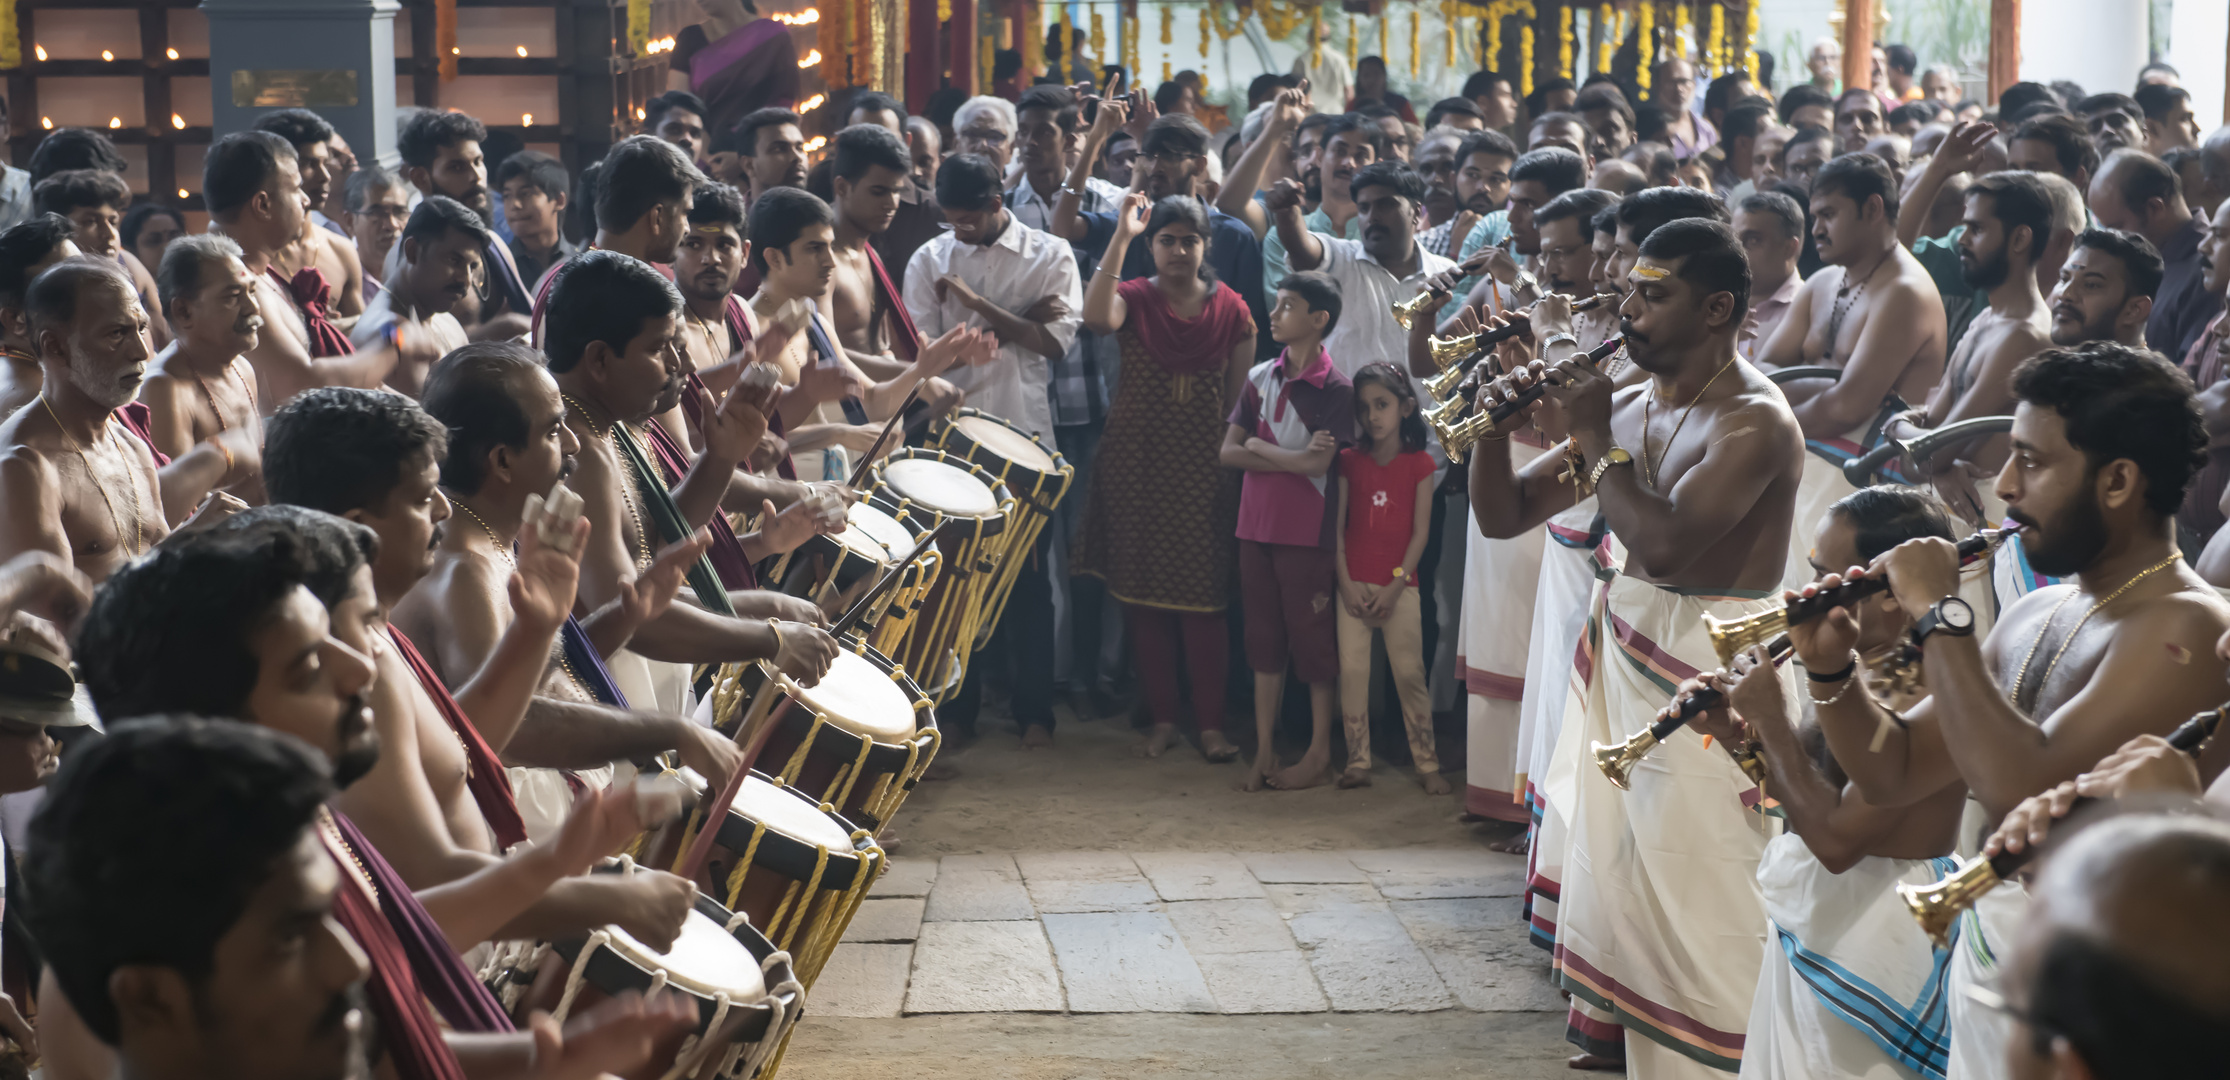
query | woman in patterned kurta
(1158,528)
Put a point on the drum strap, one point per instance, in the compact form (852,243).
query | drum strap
(440,975)
(659,506)
(726,553)
(485,778)
(908,345)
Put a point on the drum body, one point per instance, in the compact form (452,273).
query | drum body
(1035,474)
(745,988)
(835,570)
(788,862)
(977,516)
(858,740)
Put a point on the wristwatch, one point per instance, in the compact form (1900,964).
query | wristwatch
(1563,336)
(1617,455)
(1950,615)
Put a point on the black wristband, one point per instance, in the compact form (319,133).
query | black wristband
(1833,677)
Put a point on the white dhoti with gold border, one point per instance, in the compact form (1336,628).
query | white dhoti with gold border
(1492,649)
(1561,601)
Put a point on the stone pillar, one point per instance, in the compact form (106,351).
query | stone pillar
(334,57)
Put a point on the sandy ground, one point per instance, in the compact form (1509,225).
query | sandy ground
(1090,793)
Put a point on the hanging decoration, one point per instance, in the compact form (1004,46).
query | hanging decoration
(1207,29)
(987,48)
(1525,59)
(1645,44)
(1128,28)
(1564,42)
(11,41)
(1718,47)
(1606,37)
(834,31)
(1750,39)
(944,11)
(1493,58)
(1416,58)
(1316,37)
(1354,43)
(1032,45)
(1448,19)
(1168,24)
(1099,35)
(1683,35)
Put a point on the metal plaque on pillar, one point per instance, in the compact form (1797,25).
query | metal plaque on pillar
(334,57)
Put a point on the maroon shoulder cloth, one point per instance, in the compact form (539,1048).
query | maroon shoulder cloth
(407,1028)
(314,296)
(441,975)
(484,776)
(138,419)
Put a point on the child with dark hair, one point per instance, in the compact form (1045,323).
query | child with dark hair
(1385,515)
(1294,413)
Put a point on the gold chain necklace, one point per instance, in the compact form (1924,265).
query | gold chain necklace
(2021,680)
(139,534)
(231,373)
(1650,395)
(626,496)
(712,337)
(513,561)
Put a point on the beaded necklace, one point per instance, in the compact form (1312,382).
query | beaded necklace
(513,561)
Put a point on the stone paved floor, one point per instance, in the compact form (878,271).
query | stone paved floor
(1407,930)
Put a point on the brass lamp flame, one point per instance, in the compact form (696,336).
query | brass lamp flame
(1729,637)
(1936,905)
(1407,311)
(1618,760)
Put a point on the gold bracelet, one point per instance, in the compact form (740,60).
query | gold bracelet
(1849,679)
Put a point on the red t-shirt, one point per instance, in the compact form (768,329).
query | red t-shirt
(1381,509)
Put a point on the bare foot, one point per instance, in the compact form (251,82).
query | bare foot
(1157,742)
(1259,774)
(1511,845)
(1434,783)
(941,770)
(1315,767)
(1216,748)
(1355,778)
(1595,1063)
(1037,737)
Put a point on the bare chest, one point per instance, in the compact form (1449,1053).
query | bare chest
(111,506)
(852,304)
(706,342)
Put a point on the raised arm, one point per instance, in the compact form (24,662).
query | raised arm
(1105,311)
(1954,155)
(1303,251)
(1112,114)
(1245,175)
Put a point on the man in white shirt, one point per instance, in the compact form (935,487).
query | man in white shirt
(994,272)
(1020,283)
(439,265)
(1384,268)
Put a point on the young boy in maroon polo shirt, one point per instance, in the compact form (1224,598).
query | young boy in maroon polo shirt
(1293,415)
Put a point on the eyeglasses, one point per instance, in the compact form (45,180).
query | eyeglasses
(990,137)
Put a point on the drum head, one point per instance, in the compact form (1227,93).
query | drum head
(860,698)
(939,486)
(705,960)
(994,435)
(860,542)
(883,528)
(791,814)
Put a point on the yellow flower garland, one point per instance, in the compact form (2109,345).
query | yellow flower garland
(1207,29)
(1718,39)
(1416,58)
(1750,39)
(1606,36)
(1645,55)
(1564,44)
(1525,60)
(1099,35)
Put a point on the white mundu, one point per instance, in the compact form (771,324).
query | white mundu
(1850,986)
(1492,648)
(1661,920)
(1560,607)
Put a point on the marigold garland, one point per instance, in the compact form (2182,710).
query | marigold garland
(1525,60)
(1416,58)
(1564,44)
(1750,39)
(1718,39)
(1645,50)
(1207,30)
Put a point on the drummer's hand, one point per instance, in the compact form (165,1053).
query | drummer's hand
(806,653)
(1551,316)
(597,827)
(651,904)
(613,1037)
(551,539)
(715,756)
(653,591)
(781,531)
(821,385)
(2028,824)
(941,397)
(768,604)
(732,430)
(769,453)
(831,501)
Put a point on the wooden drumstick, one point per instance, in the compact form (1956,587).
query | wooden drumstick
(851,619)
(859,471)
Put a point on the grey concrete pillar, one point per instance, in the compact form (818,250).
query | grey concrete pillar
(335,57)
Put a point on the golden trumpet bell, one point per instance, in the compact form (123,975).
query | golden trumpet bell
(1447,352)
(1936,906)
(1406,312)
(1729,637)
(1445,383)
(1618,760)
